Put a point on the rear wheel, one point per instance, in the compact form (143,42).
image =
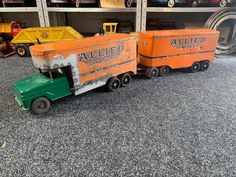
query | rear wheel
(152,73)
(196,67)
(164,70)
(22,50)
(40,105)
(125,79)
(204,65)
(113,84)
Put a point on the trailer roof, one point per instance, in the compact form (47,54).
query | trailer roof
(178,32)
(75,44)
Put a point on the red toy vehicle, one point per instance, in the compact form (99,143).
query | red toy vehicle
(221,3)
(90,3)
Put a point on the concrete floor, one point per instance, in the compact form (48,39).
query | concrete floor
(180,125)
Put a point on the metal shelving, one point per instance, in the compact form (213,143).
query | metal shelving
(146,9)
(37,9)
(141,11)
(136,10)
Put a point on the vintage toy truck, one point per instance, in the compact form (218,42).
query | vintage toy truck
(7,32)
(11,29)
(75,67)
(160,51)
(42,35)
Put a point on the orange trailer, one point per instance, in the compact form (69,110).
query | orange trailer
(90,62)
(160,51)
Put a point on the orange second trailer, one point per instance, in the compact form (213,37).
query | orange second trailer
(160,51)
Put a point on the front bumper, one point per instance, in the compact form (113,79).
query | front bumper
(19,99)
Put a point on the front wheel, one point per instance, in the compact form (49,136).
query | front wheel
(22,50)
(171,3)
(40,105)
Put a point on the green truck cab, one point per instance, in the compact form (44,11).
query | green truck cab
(37,91)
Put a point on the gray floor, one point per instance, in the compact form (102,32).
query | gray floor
(180,125)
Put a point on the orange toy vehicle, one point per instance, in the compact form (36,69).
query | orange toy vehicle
(160,51)
(77,66)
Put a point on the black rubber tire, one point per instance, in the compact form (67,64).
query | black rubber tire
(40,105)
(164,70)
(22,50)
(125,79)
(205,65)
(113,84)
(152,73)
(196,67)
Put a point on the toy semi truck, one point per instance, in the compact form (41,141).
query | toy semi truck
(75,67)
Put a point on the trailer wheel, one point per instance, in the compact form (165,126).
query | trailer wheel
(164,70)
(40,105)
(222,3)
(152,73)
(171,3)
(204,65)
(196,67)
(22,50)
(113,84)
(125,79)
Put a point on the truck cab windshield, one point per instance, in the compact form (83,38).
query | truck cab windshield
(52,74)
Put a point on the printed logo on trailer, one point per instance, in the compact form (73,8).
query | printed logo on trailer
(181,43)
(101,55)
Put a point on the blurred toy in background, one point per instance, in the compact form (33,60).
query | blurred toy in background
(125,27)
(30,3)
(169,3)
(85,3)
(42,35)
(112,3)
(7,32)
(130,3)
(6,48)
(158,24)
(57,3)
(221,3)
(109,27)
(13,3)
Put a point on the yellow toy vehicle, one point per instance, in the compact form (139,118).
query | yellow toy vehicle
(42,35)
(109,27)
